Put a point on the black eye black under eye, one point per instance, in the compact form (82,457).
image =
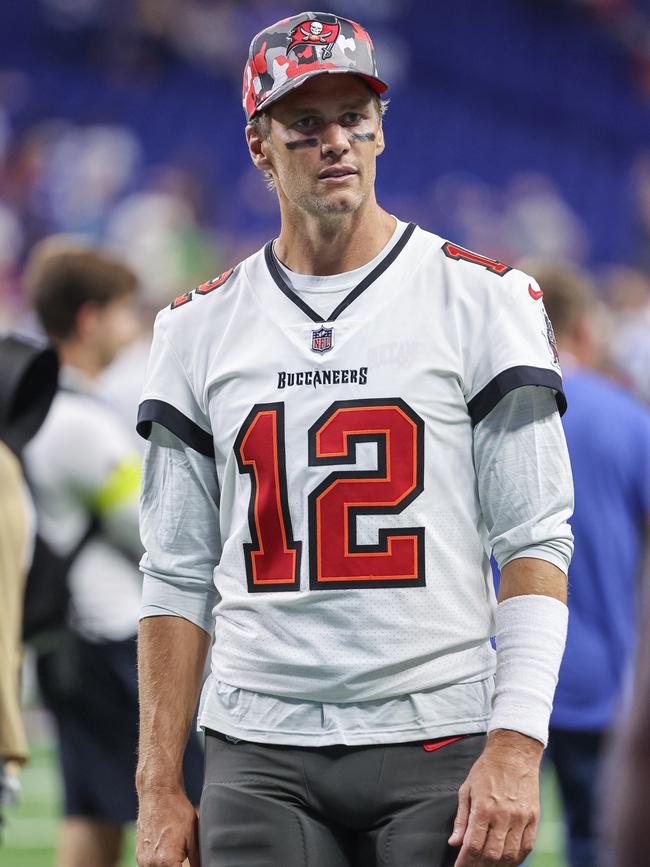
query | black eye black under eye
(302,143)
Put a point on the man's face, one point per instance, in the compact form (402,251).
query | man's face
(111,327)
(324,140)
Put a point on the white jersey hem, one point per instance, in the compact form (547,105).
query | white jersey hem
(320,739)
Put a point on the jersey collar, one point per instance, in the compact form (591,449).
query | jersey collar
(376,272)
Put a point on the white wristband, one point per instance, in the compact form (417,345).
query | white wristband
(530,638)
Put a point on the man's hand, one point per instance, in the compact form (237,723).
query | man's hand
(171,653)
(167,830)
(498,804)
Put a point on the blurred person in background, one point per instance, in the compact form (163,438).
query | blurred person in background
(628,295)
(84,474)
(27,387)
(156,225)
(608,435)
(14,543)
(628,773)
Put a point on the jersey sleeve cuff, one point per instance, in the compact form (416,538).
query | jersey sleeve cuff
(192,603)
(561,559)
(180,425)
(157,611)
(514,377)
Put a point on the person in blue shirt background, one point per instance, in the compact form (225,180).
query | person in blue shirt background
(608,435)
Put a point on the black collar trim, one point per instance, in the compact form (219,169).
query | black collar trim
(284,287)
(376,272)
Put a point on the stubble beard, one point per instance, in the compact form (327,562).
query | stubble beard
(331,208)
(326,208)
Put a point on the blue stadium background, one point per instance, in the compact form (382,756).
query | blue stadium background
(485,90)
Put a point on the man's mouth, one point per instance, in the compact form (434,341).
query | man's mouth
(337,174)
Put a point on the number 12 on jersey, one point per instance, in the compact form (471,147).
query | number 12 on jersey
(336,558)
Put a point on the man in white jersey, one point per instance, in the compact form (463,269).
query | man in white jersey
(340,430)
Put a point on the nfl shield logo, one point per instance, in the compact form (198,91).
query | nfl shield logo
(321,340)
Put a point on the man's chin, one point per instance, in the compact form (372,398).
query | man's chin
(334,205)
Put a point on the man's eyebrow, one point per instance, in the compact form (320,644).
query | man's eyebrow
(304,109)
(355,101)
(359,102)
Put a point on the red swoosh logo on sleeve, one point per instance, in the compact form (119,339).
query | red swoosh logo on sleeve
(535,294)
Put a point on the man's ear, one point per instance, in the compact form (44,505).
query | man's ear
(257,148)
(85,326)
(380,144)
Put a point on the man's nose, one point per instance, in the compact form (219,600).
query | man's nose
(334,140)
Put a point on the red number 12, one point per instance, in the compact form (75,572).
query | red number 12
(336,559)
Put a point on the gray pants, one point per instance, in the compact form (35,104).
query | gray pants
(280,806)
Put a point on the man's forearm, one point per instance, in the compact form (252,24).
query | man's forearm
(531,576)
(171,656)
(530,635)
(498,804)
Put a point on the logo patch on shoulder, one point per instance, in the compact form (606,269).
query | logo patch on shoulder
(535,294)
(549,334)
(213,284)
(321,340)
(182,299)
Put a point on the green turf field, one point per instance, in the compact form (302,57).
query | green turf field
(30,830)
(31,827)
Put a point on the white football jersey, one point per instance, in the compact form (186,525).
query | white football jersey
(354,563)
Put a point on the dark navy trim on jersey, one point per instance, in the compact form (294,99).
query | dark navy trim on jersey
(284,287)
(376,272)
(385,263)
(506,381)
(180,425)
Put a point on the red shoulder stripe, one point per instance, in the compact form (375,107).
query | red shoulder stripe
(215,283)
(182,299)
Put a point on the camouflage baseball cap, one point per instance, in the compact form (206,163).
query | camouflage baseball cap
(286,54)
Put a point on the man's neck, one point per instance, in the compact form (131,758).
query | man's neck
(308,245)
(574,354)
(76,355)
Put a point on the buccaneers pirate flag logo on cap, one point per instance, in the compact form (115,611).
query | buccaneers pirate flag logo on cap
(315,33)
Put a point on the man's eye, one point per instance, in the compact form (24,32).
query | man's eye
(306,123)
(351,118)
